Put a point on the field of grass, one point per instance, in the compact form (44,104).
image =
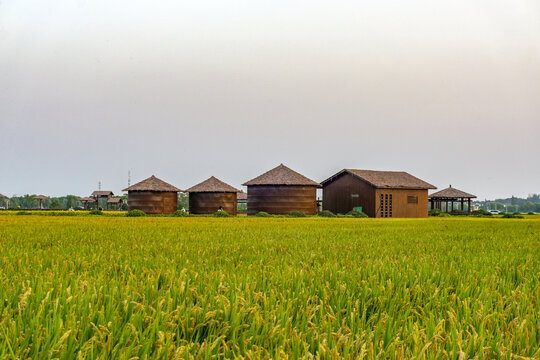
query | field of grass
(123,288)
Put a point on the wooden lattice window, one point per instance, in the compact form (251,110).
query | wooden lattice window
(411,199)
(386,205)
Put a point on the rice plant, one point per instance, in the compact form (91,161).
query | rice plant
(188,287)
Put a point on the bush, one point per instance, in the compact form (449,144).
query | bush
(297,213)
(135,213)
(481,212)
(530,213)
(357,214)
(444,215)
(23,213)
(458,212)
(180,213)
(511,216)
(435,212)
(263,214)
(327,213)
(95,212)
(221,214)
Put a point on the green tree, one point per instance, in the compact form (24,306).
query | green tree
(55,204)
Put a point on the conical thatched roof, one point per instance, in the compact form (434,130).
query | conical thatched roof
(87,199)
(212,184)
(3,196)
(153,184)
(40,197)
(281,175)
(386,179)
(450,193)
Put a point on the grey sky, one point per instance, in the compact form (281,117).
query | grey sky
(446,90)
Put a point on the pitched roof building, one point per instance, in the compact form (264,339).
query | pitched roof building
(378,193)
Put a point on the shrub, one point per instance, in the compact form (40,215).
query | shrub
(221,214)
(357,214)
(458,212)
(511,216)
(23,213)
(530,213)
(444,214)
(434,212)
(263,214)
(517,213)
(297,213)
(180,213)
(95,212)
(481,212)
(135,213)
(327,213)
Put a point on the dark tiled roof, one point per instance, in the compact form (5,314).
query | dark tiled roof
(281,175)
(386,179)
(153,184)
(450,193)
(102,193)
(212,184)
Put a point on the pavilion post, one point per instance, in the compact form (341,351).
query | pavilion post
(469,205)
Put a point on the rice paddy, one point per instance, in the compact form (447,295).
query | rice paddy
(128,288)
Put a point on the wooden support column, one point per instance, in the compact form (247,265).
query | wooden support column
(469,206)
(462,204)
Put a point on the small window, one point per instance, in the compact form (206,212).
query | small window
(412,199)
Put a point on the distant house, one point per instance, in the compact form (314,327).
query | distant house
(281,191)
(101,197)
(379,193)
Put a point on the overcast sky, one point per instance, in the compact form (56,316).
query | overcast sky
(448,91)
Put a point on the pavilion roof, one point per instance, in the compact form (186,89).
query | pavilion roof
(40,197)
(451,193)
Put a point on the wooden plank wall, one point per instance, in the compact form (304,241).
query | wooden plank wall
(347,192)
(153,202)
(209,203)
(282,199)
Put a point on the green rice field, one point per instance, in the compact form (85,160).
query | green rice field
(173,288)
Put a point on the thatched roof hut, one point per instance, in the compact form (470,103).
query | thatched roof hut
(211,195)
(281,191)
(153,196)
(41,198)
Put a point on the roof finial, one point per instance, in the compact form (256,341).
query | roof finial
(450,185)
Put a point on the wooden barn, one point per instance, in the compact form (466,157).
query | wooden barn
(153,196)
(379,193)
(212,195)
(281,191)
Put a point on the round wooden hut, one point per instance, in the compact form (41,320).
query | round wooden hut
(281,191)
(212,195)
(153,196)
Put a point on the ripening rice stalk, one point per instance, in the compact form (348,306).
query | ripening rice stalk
(126,288)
